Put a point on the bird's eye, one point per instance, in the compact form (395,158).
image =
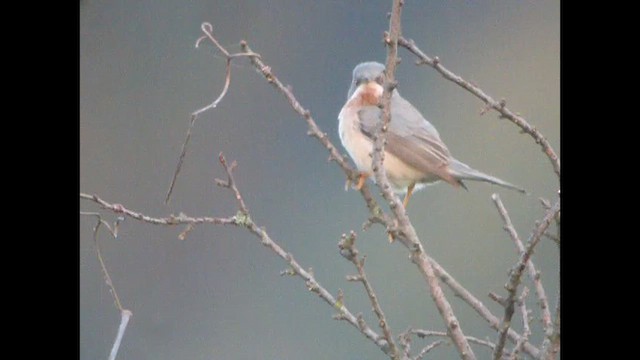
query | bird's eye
(380,79)
(359,81)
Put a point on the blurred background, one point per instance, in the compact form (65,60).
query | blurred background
(218,294)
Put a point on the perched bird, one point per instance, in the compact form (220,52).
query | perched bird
(414,154)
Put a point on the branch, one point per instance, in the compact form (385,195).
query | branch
(551,344)
(170,220)
(243,219)
(478,306)
(377,215)
(401,227)
(124,313)
(526,331)
(516,275)
(426,333)
(533,273)
(349,251)
(499,106)
(207,30)
(411,240)
(428,348)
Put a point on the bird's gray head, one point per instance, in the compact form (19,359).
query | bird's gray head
(364,73)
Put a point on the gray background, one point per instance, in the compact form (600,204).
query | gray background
(218,295)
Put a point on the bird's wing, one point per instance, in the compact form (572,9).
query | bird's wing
(410,137)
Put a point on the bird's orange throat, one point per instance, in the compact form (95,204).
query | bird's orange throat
(367,95)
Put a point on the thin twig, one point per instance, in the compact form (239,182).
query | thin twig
(533,273)
(427,333)
(526,330)
(170,220)
(428,348)
(207,30)
(243,219)
(405,227)
(377,214)
(231,183)
(477,305)
(124,313)
(347,246)
(405,341)
(516,276)
(499,106)
(551,344)
(553,238)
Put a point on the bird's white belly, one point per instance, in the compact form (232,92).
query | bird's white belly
(360,148)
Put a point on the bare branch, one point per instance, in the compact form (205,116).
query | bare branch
(347,246)
(405,341)
(171,220)
(428,348)
(499,106)
(516,275)
(231,183)
(533,273)
(427,333)
(551,344)
(407,231)
(478,306)
(526,331)
(243,219)
(378,216)
(207,30)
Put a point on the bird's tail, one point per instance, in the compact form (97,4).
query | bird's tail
(462,171)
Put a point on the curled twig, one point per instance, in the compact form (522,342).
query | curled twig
(207,30)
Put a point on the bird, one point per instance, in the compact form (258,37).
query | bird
(414,155)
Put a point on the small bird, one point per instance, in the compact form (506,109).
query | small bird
(414,154)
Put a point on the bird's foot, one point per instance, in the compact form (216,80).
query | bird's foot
(362,177)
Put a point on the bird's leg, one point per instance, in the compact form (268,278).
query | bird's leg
(361,180)
(408,196)
(362,177)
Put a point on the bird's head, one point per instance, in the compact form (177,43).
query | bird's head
(368,76)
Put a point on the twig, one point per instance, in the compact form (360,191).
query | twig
(516,275)
(404,225)
(553,238)
(478,306)
(533,273)
(427,333)
(551,344)
(347,246)
(124,313)
(243,219)
(405,341)
(231,183)
(499,106)
(207,30)
(526,331)
(428,348)
(377,214)
(170,220)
